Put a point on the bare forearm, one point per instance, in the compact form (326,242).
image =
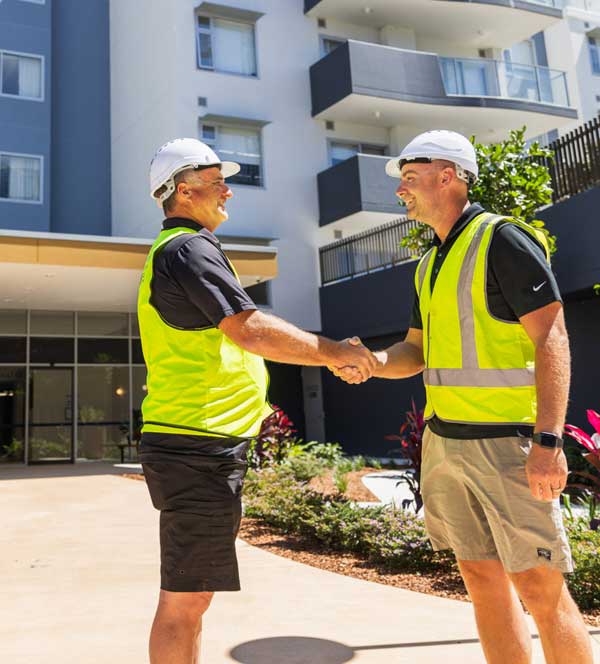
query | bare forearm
(399,361)
(277,340)
(552,378)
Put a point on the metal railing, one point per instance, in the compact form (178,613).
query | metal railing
(366,252)
(482,77)
(576,164)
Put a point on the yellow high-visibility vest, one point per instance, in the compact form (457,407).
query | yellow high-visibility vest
(478,369)
(199,381)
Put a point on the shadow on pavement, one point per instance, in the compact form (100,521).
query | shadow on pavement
(20,472)
(292,650)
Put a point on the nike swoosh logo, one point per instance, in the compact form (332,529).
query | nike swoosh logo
(537,288)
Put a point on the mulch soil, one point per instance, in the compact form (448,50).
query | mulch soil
(315,554)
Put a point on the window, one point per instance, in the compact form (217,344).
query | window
(226,46)
(339,151)
(260,294)
(329,44)
(35,2)
(239,144)
(20,178)
(594,55)
(21,75)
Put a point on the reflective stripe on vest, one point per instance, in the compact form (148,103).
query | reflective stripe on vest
(480,370)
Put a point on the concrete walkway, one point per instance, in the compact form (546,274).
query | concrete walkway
(79,564)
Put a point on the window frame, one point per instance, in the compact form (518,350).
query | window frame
(20,54)
(213,143)
(347,141)
(209,31)
(5,153)
(35,2)
(324,38)
(593,46)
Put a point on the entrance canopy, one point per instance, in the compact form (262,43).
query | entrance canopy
(95,273)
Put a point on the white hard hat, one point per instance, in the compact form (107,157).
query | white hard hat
(439,144)
(179,155)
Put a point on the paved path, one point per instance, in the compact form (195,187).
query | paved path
(79,565)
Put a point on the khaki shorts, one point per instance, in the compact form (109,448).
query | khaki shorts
(477,503)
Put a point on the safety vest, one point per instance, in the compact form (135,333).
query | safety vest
(199,382)
(478,369)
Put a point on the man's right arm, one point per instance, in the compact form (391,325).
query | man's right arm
(275,339)
(401,360)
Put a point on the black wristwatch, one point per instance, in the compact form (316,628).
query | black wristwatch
(550,440)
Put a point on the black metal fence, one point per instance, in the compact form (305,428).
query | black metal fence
(365,252)
(576,164)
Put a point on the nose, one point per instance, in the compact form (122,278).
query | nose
(228,192)
(401,189)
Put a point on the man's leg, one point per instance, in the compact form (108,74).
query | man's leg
(562,631)
(500,618)
(177,627)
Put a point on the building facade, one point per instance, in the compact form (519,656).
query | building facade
(311,97)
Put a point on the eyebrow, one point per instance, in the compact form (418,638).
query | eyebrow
(409,172)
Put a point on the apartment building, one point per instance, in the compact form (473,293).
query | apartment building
(311,97)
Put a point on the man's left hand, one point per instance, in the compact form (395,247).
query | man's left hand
(546,472)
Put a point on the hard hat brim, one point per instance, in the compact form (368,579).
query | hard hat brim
(392,168)
(229,168)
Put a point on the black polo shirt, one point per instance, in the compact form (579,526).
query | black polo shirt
(519,281)
(193,288)
(193,284)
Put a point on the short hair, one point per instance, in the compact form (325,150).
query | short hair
(169,203)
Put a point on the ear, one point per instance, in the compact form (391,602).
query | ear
(447,176)
(182,188)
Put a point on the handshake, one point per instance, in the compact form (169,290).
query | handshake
(354,363)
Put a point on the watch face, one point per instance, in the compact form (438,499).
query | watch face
(547,440)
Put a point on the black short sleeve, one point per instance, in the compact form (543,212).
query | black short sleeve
(519,277)
(415,317)
(204,279)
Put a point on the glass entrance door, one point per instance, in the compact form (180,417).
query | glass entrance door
(51,415)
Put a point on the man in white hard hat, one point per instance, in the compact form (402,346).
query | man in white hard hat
(204,342)
(488,333)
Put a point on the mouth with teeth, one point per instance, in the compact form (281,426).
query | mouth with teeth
(221,207)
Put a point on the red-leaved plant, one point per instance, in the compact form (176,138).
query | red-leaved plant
(275,438)
(592,445)
(411,441)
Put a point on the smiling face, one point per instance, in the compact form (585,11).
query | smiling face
(202,196)
(422,188)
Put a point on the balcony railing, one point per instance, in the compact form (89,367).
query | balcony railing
(477,77)
(576,164)
(366,252)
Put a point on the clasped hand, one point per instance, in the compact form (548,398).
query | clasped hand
(355,363)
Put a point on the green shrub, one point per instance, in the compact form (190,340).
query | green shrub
(330,453)
(306,466)
(584,582)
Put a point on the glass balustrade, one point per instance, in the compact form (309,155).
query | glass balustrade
(496,78)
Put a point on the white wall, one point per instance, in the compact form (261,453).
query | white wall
(161,107)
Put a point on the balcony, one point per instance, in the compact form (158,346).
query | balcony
(583,10)
(382,86)
(474,23)
(357,194)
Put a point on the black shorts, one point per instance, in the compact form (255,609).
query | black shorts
(196,483)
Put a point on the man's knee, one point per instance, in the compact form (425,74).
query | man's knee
(483,578)
(189,607)
(542,589)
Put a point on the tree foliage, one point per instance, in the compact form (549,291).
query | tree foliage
(513,181)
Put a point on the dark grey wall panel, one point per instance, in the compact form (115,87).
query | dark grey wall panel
(339,191)
(330,79)
(576,224)
(357,184)
(81,191)
(374,305)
